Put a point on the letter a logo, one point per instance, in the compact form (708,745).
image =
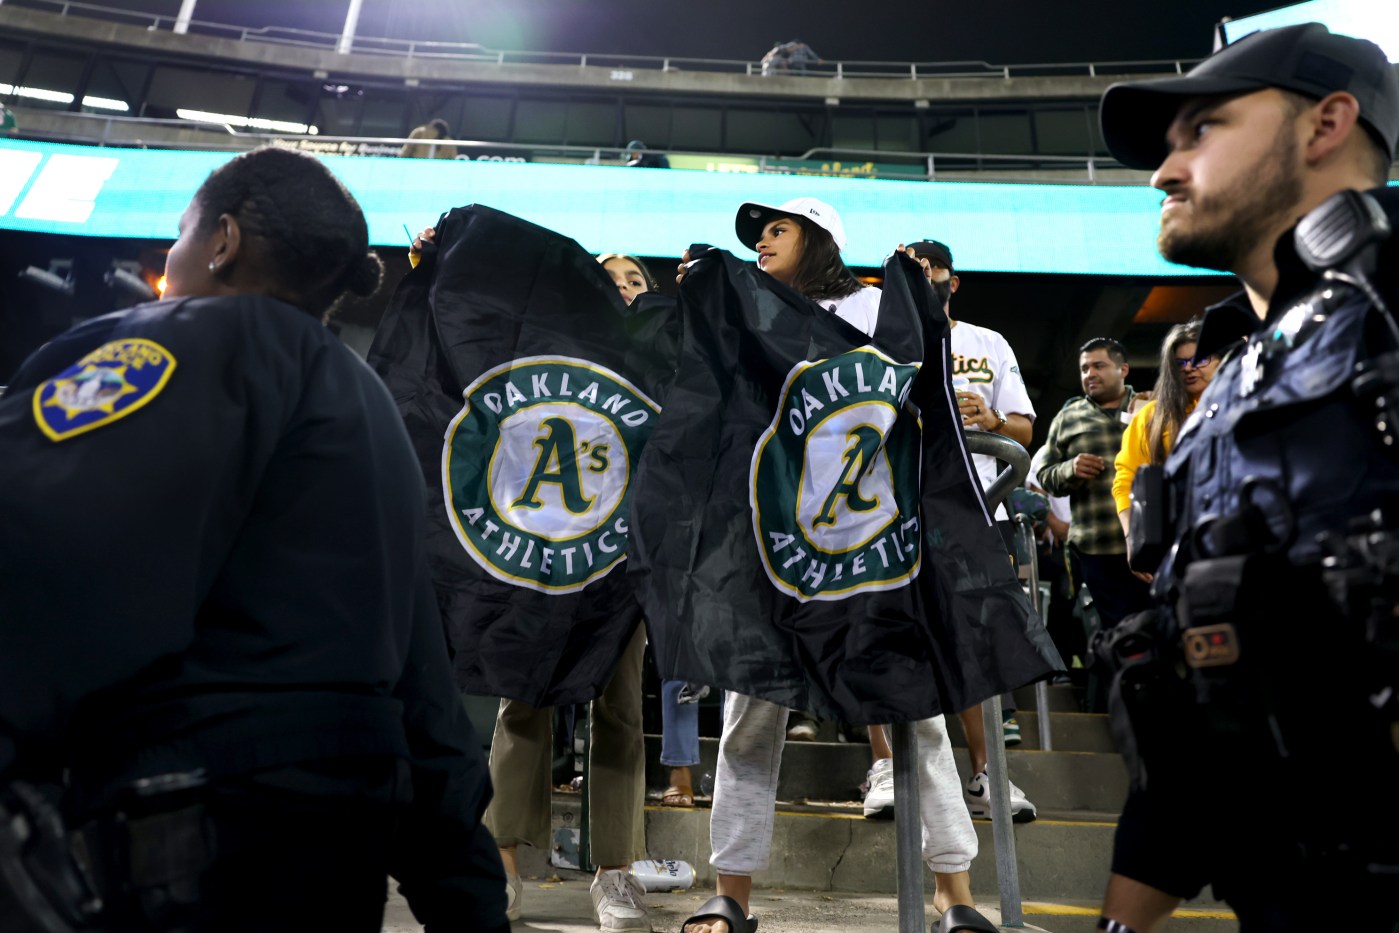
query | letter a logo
(859,457)
(557,463)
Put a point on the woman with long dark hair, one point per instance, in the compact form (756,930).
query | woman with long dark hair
(799,244)
(1180,382)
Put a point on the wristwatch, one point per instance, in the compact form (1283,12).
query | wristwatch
(1001,417)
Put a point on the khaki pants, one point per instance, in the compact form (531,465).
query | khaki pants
(522,760)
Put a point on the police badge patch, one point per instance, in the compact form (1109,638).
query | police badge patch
(834,482)
(109,383)
(537,467)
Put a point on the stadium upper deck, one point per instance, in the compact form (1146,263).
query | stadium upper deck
(903,119)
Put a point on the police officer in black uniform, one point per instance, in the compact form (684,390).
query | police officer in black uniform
(1260,695)
(219,646)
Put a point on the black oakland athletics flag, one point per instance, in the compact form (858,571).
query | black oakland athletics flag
(529,390)
(787,542)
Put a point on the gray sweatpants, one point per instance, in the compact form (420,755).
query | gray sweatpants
(745,791)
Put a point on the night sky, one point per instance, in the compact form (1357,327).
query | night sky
(996,31)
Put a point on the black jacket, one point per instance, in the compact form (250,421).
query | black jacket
(1280,414)
(211,556)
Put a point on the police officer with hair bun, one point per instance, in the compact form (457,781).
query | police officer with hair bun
(1261,696)
(219,645)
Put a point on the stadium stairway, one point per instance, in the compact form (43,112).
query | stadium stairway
(822,842)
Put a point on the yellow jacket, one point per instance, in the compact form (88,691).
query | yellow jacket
(1135,453)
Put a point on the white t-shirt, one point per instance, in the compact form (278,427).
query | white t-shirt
(982,362)
(859,309)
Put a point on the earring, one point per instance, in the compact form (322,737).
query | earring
(213,267)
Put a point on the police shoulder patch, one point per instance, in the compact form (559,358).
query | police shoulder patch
(106,385)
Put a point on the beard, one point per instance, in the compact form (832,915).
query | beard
(1228,226)
(943,291)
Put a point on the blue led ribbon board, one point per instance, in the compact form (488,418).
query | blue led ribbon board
(1064,229)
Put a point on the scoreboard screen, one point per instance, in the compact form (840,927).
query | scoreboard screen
(1060,228)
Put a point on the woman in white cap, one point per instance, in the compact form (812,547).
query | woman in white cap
(799,243)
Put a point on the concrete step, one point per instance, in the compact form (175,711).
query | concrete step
(1069,732)
(833,771)
(1063,698)
(1063,863)
(558,901)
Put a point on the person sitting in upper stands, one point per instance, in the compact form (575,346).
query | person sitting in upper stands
(432,130)
(637,156)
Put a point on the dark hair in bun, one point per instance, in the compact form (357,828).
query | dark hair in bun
(302,224)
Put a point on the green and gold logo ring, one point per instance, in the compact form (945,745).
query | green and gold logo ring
(537,467)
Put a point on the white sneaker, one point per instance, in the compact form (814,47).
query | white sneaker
(617,903)
(514,889)
(879,800)
(801,728)
(978,794)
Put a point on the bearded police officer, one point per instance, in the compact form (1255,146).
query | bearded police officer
(1268,668)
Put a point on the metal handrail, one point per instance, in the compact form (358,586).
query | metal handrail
(470,51)
(767,164)
(1016,460)
(904,742)
(1026,527)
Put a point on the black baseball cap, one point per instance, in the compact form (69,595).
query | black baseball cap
(933,249)
(1307,58)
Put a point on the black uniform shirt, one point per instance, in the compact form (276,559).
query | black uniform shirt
(210,528)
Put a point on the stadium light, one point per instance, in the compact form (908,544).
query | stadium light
(256,123)
(37,93)
(63,97)
(105,103)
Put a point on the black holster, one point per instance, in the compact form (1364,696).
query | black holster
(1146,698)
(1241,643)
(1183,686)
(150,854)
(43,885)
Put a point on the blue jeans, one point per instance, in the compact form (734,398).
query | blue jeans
(679,728)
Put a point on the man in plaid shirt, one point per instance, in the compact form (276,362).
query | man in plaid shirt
(1084,438)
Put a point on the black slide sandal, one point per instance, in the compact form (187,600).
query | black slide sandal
(724,908)
(960,917)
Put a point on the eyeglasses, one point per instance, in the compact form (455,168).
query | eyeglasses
(1193,362)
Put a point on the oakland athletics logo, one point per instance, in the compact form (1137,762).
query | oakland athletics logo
(834,484)
(536,468)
